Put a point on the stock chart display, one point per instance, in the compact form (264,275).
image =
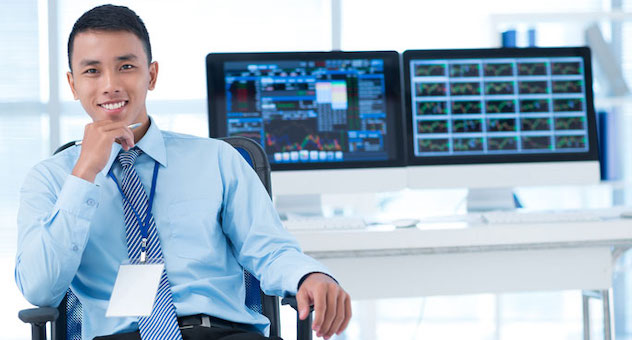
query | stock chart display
(498,106)
(309,111)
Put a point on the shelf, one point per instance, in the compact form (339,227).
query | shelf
(557,17)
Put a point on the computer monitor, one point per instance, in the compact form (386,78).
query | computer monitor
(329,122)
(496,118)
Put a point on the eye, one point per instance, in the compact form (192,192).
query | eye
(127,67)
(90,71)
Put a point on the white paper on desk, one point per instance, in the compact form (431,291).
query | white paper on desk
(134,290)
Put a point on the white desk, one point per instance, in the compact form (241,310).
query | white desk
(463,258)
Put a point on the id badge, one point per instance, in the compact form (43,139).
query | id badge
(135,289)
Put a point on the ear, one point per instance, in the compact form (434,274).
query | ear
(153,74)
(71,82)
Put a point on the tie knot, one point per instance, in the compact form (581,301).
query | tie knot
(127,158)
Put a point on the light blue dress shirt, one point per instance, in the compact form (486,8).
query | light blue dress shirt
(212,214)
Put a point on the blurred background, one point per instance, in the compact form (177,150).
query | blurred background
(38,113)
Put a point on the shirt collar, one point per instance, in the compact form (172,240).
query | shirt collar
(152,144)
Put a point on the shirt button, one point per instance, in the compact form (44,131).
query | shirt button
(90,202)
(74,247)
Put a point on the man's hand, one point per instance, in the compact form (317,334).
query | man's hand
(98,138)
(332,305)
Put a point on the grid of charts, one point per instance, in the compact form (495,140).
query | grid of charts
(498,106)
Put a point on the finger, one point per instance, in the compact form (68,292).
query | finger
(124,136)
(126,142)
(125,145)
(330,315)
(130,136)
(302,302)
(340,314)
(320,307)
(87,130)
(347,314)
(108,125)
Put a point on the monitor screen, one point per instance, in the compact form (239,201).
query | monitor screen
(310,110)
(499,106)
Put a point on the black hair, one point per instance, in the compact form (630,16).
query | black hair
(110,18)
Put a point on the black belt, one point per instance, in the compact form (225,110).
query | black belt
(203,320)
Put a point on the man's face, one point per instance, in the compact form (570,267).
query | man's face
(110,75)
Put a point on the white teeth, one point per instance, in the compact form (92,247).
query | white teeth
(113,106)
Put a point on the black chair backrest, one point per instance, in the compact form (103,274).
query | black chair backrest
(254,154)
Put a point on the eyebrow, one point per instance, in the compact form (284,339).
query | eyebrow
(127,57)
(89,62)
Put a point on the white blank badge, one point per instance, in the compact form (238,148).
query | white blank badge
(134,290)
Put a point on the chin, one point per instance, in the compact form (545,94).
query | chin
(116,116)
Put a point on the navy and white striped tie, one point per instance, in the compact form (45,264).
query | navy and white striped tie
(162,324)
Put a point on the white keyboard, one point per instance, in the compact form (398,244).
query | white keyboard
(323,223)
(511,217)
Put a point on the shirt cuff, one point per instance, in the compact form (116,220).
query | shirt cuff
(78,197)
(298,276)
(300,282)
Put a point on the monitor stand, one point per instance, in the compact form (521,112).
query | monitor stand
(487,199)
(308,205)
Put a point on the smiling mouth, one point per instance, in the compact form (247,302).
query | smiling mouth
(113,106)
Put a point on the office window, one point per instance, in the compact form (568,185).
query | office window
(19,55)
(24,136)
(626,44)
(24,127)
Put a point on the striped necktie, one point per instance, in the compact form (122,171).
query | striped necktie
(162,324)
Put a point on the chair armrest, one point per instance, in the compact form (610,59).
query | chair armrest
(303,327)
(291,300)
(38,316)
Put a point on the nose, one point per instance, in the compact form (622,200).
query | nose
(111,82)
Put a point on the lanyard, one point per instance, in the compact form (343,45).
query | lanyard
(144,224)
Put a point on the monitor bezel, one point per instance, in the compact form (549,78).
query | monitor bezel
(533,52)
(217,108)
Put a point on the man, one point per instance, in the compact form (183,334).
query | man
(89,209)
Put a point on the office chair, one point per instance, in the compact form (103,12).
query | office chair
(66,319)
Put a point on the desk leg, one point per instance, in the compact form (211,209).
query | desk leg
(586,315)
(607,315)
(604,296)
